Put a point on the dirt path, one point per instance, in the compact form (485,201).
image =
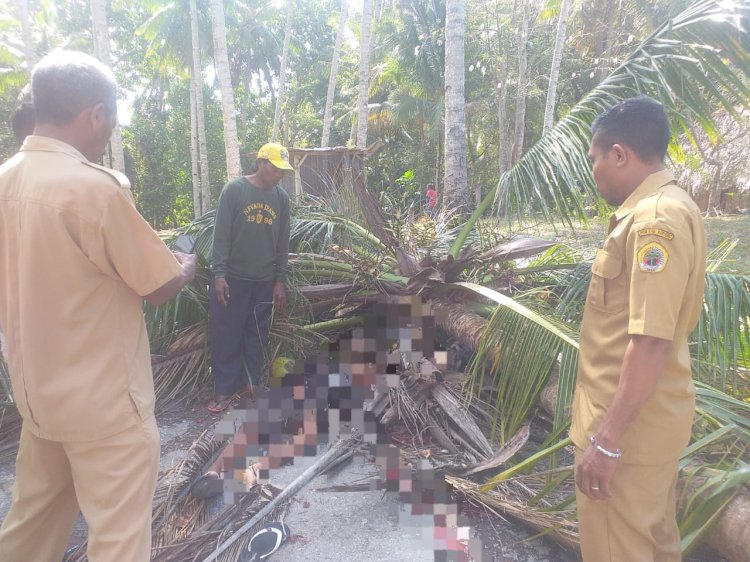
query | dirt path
(369,526)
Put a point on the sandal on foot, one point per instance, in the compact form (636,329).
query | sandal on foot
(220,403)
(265,542)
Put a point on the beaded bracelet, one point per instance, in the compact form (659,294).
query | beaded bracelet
(616,454)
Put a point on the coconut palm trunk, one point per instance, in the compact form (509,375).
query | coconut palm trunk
(503,154)
(28,38)
(554,74)
(282,74)
(101,49)
(523,76)
(194,158)
(364,75)
(328,114)
(455,185)
(196,85)
(229,113)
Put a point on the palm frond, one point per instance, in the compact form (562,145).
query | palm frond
(694,63)
(722,337)
(517,352)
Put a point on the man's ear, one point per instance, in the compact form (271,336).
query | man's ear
(621,153)
(99,115)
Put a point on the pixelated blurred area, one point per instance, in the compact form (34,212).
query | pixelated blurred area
(379,386)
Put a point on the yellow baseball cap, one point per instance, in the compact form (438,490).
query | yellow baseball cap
(276,155)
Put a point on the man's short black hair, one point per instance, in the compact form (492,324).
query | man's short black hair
(23,121)
(638,123)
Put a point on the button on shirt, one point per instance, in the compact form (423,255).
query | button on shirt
(647,279)
(76,260)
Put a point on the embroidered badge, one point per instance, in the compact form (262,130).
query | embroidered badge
(652,258)
(656,232)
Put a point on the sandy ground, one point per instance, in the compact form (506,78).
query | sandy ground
(366,526)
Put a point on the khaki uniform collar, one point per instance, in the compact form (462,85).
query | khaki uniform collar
(649,186)
(36,143)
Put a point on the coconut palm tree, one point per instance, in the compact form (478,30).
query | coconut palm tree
(221,62)
(165,30)
(554,73)
(282,73)
(328,113)
(364,75)
(456,181)
(102,51)
(28,38)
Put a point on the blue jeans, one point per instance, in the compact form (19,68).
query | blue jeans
(239,333)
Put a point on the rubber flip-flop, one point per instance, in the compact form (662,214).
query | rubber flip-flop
(265,542)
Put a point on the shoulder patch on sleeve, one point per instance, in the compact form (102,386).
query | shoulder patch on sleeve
(652,257)
(656,232)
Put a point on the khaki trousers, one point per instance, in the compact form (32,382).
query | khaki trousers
(639,522)
(112,480)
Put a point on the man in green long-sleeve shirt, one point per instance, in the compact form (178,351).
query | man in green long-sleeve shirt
(249,262)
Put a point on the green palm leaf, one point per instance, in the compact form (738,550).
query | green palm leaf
(517,352)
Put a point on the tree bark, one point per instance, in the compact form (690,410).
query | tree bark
(503,143)
(196,83)
(554,73)
(28,37)
(101,49)
(364,75)
(194,158)
(282,74)
(455,185)
(328,114)
(520,121)
(229,113)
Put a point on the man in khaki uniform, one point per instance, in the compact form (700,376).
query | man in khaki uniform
(76,263)
(634,401)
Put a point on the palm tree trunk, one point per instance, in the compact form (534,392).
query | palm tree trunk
(439,165)
(364,75)
(328,114)
(28,37)
(554,73)
(455,185)
(229,113)
(282,73)
(503,142)
(196,83)
(101,49)
(194,157)
(520,122)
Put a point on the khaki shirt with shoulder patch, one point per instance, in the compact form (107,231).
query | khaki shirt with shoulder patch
(76,260)
(647,279)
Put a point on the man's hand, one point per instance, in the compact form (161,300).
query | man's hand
(279,296)
(221,287)
(188,263)
(170,289)
(594,474)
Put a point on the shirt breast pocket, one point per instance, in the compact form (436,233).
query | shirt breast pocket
(608,289)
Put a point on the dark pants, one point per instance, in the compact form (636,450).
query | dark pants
(239,332)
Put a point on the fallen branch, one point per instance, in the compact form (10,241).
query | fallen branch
(340,448)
